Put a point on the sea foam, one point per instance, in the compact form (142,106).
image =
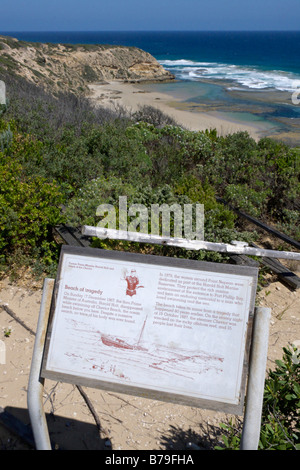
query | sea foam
(246,77)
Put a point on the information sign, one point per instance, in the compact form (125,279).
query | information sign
(170,329)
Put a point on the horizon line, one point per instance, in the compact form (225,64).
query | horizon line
(155,31)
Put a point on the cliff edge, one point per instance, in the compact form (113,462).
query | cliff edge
(68,67)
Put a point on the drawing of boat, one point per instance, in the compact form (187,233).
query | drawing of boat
(116,342)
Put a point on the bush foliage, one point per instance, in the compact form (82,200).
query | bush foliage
(61,152)
(280,425)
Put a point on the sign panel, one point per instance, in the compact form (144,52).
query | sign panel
(165,328)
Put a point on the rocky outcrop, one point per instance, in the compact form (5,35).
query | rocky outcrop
(67,67)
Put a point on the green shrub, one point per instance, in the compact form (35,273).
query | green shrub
(5,139)
(280,173)
(89,74)
(96,155)
(81,209)
(247,199)
(281,410)
(290,223)
(280,425)
(154,116)
(29,209)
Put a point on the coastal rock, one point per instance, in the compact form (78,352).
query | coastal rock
(68,67)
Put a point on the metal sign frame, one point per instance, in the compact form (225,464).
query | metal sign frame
(256,338)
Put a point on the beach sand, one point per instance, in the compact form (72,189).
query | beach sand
(133,96)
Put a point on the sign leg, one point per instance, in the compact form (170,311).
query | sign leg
(256,379)
(36,382)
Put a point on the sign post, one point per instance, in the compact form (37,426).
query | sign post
(256,380)
(36,382)
(169,329)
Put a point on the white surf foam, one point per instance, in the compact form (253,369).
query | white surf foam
(247,77)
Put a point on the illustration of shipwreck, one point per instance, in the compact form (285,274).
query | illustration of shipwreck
(113,341)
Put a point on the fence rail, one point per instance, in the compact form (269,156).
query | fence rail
(74,237)
(262,225)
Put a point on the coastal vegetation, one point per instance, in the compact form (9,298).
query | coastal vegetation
(61,158)
(280,426)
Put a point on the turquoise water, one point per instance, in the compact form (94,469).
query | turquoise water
(257,108)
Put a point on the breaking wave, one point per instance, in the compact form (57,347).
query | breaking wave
(245,77)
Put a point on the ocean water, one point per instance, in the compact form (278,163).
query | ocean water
(247,76)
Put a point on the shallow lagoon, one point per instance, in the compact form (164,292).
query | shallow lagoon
(273,110)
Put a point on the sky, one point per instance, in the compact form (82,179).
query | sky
(151,15)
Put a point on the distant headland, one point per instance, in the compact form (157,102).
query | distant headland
(71,68)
